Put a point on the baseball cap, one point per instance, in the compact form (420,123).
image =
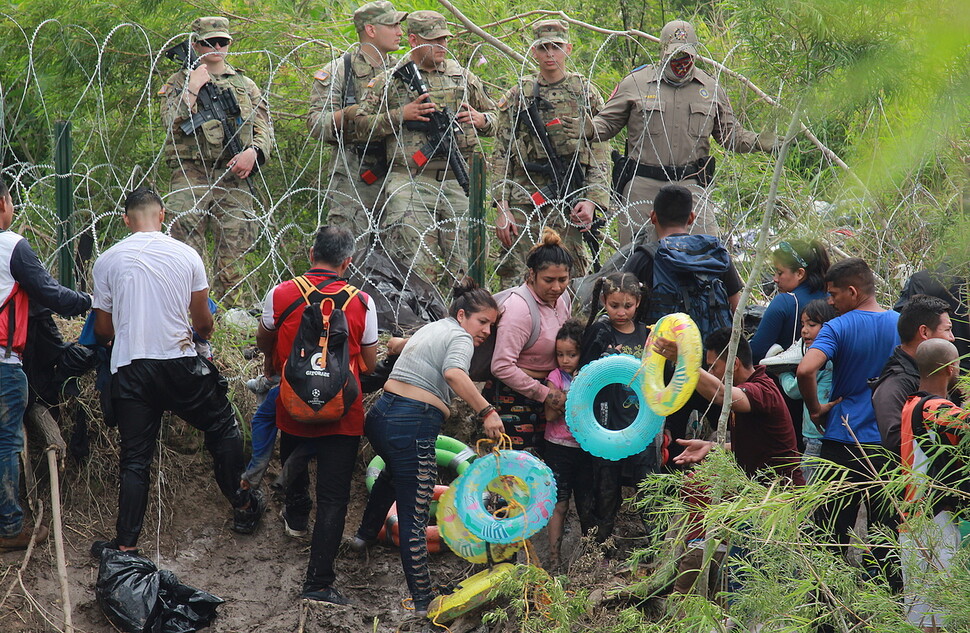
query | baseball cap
(428,24)
(678,36)
(550,32)
(378,12)
(216,26)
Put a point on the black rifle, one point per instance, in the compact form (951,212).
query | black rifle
(566,181)
(214,104)
(440,130)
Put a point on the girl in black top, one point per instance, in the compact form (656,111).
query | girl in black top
(616,406)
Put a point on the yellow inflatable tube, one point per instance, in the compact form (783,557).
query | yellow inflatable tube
(472,592)
(666,399)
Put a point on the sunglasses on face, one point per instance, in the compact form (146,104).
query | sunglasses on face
(213,42)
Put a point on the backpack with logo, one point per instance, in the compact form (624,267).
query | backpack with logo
(687,277)
(480,369)
(318,384)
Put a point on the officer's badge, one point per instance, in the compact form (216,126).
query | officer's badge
(322,75)
(704,93)
(680,34)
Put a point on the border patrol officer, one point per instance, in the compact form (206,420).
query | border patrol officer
(671,111)
(424,224)
(208,188)
(358,162)
(520,162)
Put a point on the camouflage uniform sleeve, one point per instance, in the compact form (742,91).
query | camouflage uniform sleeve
(324,101)
(174,108)
(502,165)
(616,113)
(378,114)
(479,99)
(599,173)
(263,136)
(729,133)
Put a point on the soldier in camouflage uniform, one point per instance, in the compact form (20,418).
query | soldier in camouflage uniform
(358,163)
(518,152)
(208,187)
(425,220)
(670,112)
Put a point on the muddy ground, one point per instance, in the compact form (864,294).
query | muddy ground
(259,576)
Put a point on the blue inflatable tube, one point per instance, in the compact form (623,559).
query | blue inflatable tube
(593,437)
(540,500)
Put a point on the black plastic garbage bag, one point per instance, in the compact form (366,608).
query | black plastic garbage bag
(139,598)
(404,300)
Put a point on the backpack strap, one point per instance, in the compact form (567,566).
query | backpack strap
(10,307)
(530,301)
(306,289)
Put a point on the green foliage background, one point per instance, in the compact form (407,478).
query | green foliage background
(883,84)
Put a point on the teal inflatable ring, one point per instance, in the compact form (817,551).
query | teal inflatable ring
(591,435)
(449,453)
(528,472)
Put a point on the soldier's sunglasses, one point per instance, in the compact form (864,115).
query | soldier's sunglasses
(213,42)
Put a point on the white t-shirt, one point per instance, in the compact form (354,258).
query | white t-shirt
(146,282)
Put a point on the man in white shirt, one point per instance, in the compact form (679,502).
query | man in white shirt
(147,289)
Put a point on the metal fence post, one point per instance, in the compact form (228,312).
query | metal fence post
(478,248)
(64,196)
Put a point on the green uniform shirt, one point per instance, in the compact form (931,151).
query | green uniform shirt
(450,86)
(516,144)
(207,145)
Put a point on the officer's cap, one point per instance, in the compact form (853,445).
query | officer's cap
(428,24)
(216,26)
(550,32)
(678,36)
(378,12)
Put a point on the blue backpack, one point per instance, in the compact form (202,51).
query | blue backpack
(687,277)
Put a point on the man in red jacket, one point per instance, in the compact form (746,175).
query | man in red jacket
(335,444)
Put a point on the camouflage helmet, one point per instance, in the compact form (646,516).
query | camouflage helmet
(377,12)
(428,24)
(550,32)
(678,36)
(217,26)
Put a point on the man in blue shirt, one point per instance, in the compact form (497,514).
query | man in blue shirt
(858,342)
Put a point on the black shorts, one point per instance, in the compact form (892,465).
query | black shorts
(573,468)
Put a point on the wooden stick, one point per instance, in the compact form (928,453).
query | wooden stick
(59,538)
(477,30)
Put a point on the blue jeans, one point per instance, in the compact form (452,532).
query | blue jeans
(13,404)
(263,437)
(403,432)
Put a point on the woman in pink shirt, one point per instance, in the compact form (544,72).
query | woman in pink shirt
(519,390)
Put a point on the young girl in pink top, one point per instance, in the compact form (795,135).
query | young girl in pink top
(571,465)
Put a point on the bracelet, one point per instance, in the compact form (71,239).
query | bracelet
(481,414)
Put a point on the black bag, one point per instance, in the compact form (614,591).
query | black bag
(318,385)
(137,597)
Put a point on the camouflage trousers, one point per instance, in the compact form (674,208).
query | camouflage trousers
(425,226)
(633,217)
(354,205)
(530,222)
(197,203)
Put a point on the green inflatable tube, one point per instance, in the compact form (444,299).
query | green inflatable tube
(449,453)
